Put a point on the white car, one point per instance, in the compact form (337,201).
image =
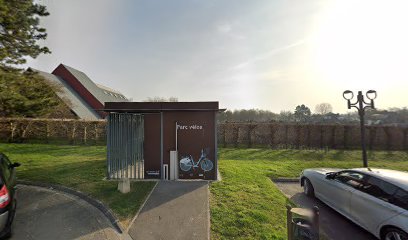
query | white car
(375,199)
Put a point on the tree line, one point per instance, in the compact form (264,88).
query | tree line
(322,114)
(27,94)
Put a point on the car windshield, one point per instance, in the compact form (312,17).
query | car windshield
(353,179)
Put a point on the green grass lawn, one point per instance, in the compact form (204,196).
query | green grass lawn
(247,205)
(79,167)
(244,205)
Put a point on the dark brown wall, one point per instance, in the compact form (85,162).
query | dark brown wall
(152,145)
(190,141)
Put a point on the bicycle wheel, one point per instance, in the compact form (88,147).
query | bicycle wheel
(186,164)
(206,165)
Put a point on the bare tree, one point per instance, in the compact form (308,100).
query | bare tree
(161,99)
(173,99)
(286,116)
(245,115)
(323,108)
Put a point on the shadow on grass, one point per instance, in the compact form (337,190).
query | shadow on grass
(338,155)
(274,154)
(53,150)
(68,174)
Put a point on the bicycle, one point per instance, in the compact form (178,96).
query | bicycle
(187,163)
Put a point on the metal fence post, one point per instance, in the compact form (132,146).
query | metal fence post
(289,221)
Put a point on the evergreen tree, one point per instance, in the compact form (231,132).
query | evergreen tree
(20,31)
(25,94)
(302,113)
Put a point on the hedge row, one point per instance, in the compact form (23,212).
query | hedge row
(277,135)
(50,130)
(274,135)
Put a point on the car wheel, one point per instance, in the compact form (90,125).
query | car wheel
(308,188)
(13,213)
(394,234)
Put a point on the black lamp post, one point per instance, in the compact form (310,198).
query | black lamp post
(361,105)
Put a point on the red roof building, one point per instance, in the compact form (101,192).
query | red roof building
(85,97)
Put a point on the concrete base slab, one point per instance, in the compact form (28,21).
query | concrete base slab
(175,210)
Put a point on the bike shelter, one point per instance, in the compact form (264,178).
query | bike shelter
(162,140)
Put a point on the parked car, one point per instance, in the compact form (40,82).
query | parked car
(375,199)
(8,201)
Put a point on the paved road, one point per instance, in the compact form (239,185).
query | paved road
(49,215)
(334,225)
(175,210)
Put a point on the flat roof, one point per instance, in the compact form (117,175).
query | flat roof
(148,107)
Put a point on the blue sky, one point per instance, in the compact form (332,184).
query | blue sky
(265,54)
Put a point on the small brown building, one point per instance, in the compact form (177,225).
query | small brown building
(142,136)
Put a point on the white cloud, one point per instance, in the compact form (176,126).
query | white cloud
(267,55)
(224,28)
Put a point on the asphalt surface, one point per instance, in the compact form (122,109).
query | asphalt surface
(48,215)
(175,210)
(332,224)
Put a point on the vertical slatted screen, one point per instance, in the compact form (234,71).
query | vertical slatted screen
(125,136)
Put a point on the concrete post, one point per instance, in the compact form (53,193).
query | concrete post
(124,185)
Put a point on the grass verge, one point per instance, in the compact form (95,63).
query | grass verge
(247,205)
(78,167)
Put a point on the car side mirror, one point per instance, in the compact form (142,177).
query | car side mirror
(330,176)
(14,165)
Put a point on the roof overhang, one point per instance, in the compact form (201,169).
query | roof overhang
(152,107)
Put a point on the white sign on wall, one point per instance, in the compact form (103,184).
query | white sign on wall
(190,127)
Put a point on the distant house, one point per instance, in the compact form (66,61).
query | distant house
(84,97)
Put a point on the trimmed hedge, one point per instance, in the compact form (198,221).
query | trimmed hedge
(273,135)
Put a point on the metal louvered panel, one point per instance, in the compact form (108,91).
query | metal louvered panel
(125,137)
